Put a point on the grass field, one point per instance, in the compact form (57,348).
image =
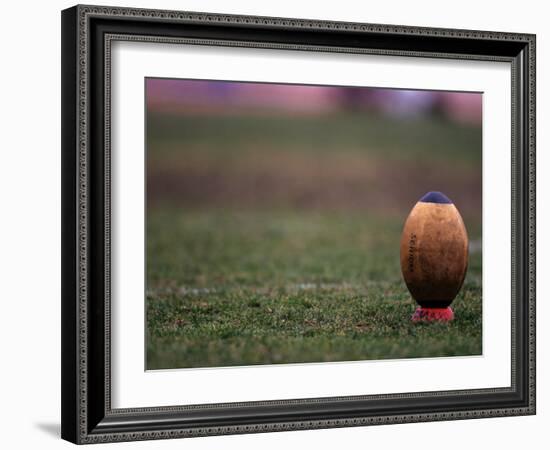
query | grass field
(245,265)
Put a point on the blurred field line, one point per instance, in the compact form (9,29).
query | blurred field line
(186,291)
(475,246)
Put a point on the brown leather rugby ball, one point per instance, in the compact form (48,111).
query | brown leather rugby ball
(434,251)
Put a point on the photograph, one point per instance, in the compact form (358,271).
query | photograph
(293,224)
(275,222)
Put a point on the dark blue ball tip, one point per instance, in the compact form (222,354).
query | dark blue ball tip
(435,197)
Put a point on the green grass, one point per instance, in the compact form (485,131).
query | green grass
(273,277)
(242,288)
(365,133)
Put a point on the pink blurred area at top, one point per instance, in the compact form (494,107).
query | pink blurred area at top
(194,96)
(465,107)
(226,97)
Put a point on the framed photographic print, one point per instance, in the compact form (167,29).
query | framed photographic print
(277,224)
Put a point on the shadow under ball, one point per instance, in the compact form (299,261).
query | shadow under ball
(434,251)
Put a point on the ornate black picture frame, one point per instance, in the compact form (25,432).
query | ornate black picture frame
(87,33)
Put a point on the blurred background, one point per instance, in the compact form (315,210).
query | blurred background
(242,145)
(257,187)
